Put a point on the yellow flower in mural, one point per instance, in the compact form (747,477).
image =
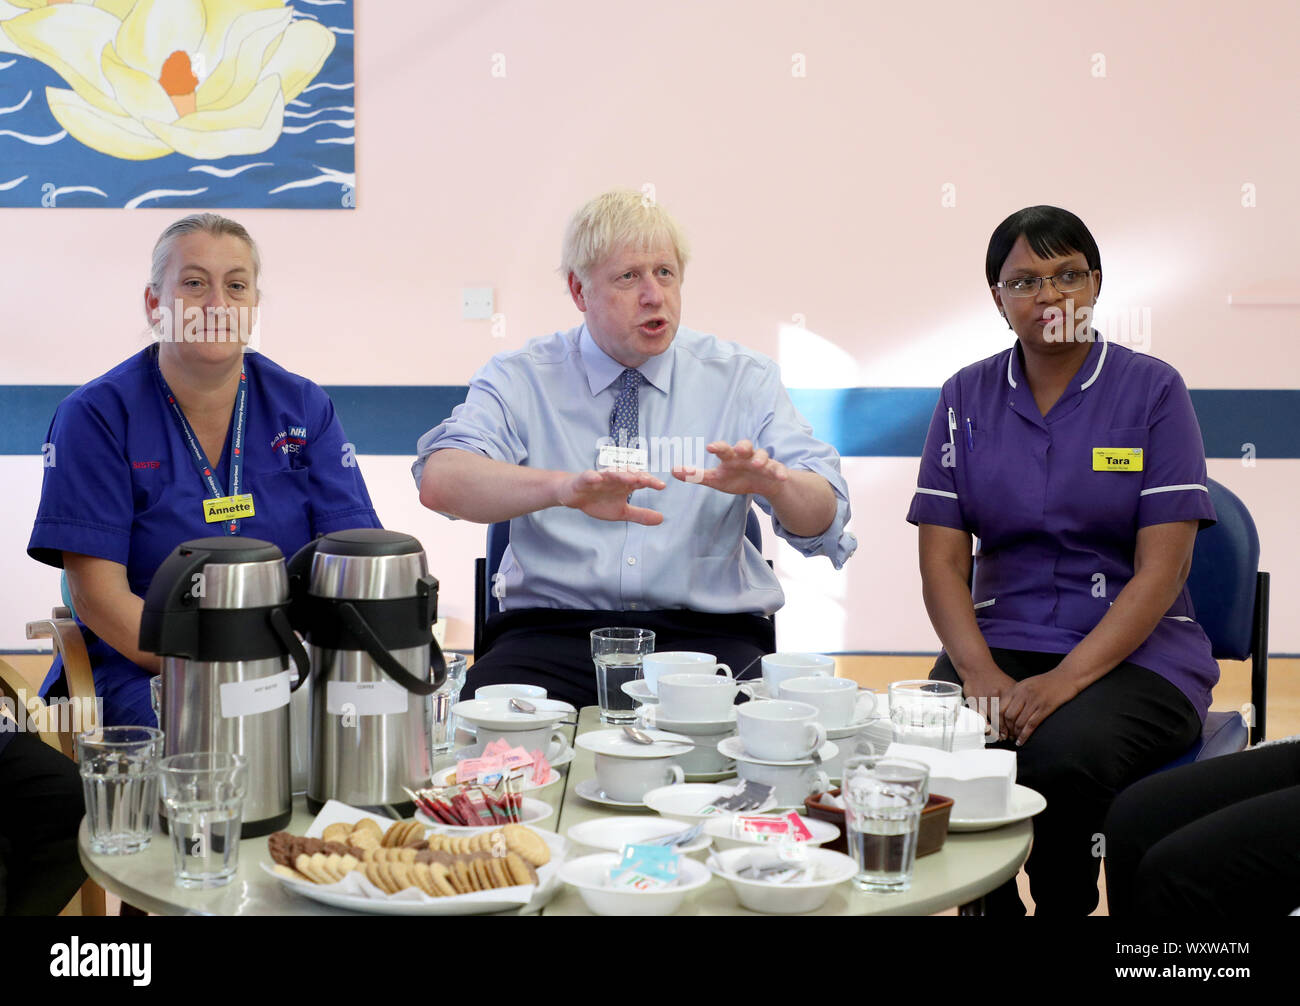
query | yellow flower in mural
(204,78)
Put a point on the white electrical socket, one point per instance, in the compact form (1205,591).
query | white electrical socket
(475,303)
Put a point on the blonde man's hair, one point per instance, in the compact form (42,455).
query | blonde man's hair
(613,220)
(207,223)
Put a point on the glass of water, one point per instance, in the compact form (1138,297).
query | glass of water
(442,723)
(617,654)
(119,775)
(925,712)
(883,800)
(204,796)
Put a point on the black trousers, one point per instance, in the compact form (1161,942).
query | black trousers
(1117,730)
(1217,839)
(41,806)
(551,647)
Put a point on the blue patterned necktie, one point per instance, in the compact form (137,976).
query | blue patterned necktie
(623,420)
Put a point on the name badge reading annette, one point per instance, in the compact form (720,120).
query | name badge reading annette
(1117,459)
(611,457)
(223,508)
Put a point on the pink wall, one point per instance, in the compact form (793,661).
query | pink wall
(818,195)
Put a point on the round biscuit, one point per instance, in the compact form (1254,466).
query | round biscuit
(518,869)
(497,871)
(440,883)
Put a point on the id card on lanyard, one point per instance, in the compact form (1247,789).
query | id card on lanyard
(230,507)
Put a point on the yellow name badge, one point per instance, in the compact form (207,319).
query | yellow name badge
(228,508)
(1117,459)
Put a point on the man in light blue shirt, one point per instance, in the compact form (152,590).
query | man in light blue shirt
(626,453)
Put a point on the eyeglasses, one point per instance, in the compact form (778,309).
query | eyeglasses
(1028,286)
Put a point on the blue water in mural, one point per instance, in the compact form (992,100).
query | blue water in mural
(311,166)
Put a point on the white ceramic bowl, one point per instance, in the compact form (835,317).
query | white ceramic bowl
(833,869)
(720,831)
(683,801)
(590,874)
(610,834)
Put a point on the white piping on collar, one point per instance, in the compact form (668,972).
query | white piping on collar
(1082,387)
(1100,360)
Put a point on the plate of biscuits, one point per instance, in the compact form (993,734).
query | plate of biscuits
(354,859)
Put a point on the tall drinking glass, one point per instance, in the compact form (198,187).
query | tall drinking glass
(119,775)
(883,800)
(204,796)
(442,723)
(617,654)
(925,712)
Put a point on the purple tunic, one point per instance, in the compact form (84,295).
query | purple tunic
(1056,538)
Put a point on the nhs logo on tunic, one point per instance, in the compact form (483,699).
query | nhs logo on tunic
(290,441)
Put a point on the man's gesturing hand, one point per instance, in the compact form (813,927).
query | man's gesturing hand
(744,470)
(603,495)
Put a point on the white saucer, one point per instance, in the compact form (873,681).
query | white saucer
(638,689)
(838,733)
(734,748)
(588,790)
(1025,803)
(496,714)
(650,716)
(620,745)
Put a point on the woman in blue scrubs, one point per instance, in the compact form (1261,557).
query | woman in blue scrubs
(1078,467)
(142,458)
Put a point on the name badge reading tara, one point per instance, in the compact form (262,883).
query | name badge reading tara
(1117,459)
(223,508)
(612,458)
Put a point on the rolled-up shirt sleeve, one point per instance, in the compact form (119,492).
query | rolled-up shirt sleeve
(787,437)
(1173,469)
(935,500)
(483,424)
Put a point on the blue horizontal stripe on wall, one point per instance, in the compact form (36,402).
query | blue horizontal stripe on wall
(859,422)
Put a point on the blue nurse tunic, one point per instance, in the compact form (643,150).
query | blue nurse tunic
(1056,519)
(120,484)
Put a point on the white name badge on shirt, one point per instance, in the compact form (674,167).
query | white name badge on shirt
(613,458)
(257,695)
(364,698)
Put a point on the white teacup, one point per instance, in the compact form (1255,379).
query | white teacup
(510,692)
(678,662)
(697,698)
(781,667)
(550,741)
(779,731)
(837,700)
(704,758)
(790,783)
(630,779)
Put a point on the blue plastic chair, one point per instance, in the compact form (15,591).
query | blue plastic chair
(498,537)
(1230,596)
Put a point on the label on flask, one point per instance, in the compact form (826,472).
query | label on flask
(364,698)
(257,695)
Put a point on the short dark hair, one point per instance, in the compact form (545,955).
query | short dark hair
(1050,231)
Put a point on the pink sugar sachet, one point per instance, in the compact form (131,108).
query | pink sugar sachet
(497,747)
(541,768)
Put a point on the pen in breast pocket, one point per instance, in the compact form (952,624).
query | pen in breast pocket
(970,434)
(952,428)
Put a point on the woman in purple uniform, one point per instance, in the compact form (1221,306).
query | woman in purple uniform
(1076,468)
